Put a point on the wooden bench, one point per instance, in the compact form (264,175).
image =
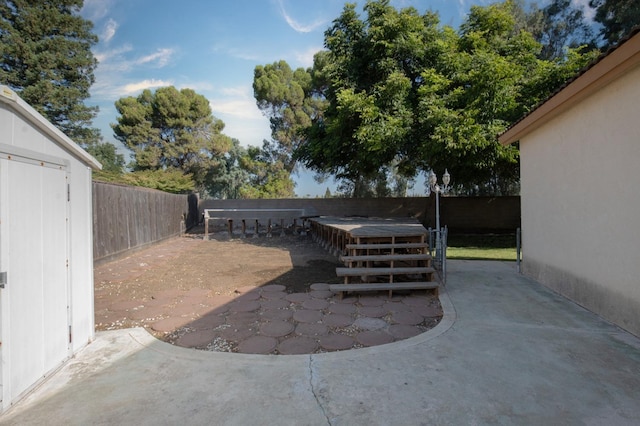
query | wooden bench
(342,288)
(257,215)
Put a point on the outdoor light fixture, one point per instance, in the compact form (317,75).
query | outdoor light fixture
(433,186)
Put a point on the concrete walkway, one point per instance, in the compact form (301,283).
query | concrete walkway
(506,352)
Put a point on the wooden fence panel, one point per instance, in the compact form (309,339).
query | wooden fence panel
(460,214)
(126,218)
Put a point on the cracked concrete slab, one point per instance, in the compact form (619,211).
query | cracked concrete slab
(507,351)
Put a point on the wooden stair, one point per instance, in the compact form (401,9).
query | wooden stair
(386,266)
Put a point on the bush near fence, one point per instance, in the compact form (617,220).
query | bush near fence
(127,218)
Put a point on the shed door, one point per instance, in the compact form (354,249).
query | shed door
(34,253)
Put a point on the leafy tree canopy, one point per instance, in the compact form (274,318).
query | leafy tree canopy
(406,95)
(286,98)
(169,180)
(617,18)
(45,56)
(107,155)
(268,178)
(227,180)
(172,129)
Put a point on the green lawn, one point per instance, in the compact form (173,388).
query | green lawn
(482,247)
(481,253)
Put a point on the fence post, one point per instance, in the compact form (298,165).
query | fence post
(430,241)
(445,233)
(518,242)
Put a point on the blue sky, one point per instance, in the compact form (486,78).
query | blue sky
(213,47)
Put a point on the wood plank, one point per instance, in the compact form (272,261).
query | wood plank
(428,285)
(342,288)
(386,246)
(352,272)
(374,227)
(384,257)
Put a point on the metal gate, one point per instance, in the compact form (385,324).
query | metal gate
(34,253)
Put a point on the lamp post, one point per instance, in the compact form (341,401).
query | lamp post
(433,186)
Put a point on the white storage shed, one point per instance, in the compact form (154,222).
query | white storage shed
(46,261)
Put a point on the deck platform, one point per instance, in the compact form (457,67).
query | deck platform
(334,233)
(382,254)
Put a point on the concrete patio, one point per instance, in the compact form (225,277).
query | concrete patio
(507,351)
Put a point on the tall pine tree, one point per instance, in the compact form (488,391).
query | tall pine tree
(45,56)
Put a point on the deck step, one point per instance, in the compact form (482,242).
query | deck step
(386,246)
(384,257)
(341,288)
(354,272)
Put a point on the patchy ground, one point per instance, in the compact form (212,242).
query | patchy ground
(253,295)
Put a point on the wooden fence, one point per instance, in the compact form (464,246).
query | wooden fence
(460,214)
(126,218)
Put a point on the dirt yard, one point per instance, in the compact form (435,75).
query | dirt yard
(180,290)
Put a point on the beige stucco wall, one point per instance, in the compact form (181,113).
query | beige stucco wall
(580,177)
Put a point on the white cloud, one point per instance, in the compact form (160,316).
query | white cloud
(243,120)
(248,132)
(239,91)
(132,88)
(96,9)
(236,101)
(161,57)
(197,86)
(115,60)
(109,30)
(235,52)
(306,58)
(106,90)
(240,107)
(297,26)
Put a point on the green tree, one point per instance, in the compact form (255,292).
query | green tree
(565,27)
(617,18)
(370,77)
(45,56)
(168,180)
(107,155)
(286,98)
(228,180)
(559,25)
(267,178)
(172,129)
(406,96)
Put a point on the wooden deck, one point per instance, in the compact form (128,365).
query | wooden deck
(335,233)
(383,254)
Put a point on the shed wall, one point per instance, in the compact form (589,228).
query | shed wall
(21,131)
(80,263)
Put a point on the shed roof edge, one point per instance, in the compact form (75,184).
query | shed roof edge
(10,97)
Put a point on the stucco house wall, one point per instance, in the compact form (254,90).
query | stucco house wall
(580,188)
